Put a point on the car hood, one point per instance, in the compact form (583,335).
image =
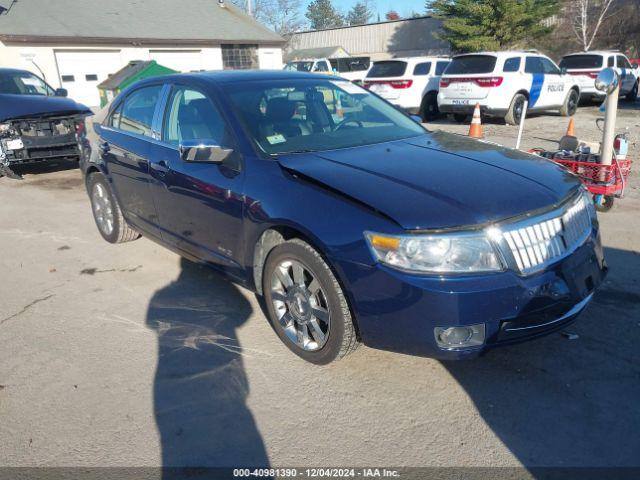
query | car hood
(26,106)
(439,180)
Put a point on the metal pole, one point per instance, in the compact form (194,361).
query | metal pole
(521,128)
(610,115)
(249,8)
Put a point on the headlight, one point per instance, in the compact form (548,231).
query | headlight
(437,253)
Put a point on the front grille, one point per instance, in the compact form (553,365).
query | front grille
(537,242)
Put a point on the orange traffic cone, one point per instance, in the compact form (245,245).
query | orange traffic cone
(475,129)
(571,129)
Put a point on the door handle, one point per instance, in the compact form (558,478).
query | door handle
(161,167)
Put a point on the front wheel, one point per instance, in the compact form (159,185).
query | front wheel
(570,106)
(516,109)
(306,305)
(632,96)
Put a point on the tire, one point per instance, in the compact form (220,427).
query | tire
(429,109)
(105,207)
(570,106)
(606,205)
(514,114)
(292,309)
(460,117)
(632,96)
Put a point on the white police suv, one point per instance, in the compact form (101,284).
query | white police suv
(586,66)
(501,82)
(409,83)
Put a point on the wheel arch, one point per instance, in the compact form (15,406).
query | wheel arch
(278,234)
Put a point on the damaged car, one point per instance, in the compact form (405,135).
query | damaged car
(37,123)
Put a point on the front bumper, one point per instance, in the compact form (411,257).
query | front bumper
(398,312)
(37,149)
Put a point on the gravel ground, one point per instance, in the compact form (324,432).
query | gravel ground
(127,356)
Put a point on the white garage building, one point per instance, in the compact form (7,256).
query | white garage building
(76,44)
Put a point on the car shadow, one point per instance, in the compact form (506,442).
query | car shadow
(200,386)
(576,403)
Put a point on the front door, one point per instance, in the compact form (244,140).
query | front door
(125,141)
(200,205)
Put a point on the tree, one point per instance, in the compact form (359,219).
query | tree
(322,14)
(392,15)
(587,17)
(360,14)
(475,25)
(284,16)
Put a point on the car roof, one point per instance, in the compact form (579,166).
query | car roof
(235,76)
(504,53)
(15,70)
(415,59)
(596,52)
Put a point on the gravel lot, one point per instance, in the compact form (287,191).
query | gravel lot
(127,356)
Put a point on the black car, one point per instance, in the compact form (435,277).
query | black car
(37,123)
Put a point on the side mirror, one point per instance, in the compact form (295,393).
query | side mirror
(607,81)
(416,118)
(61,92)
(634,65)
(203,152)
(563,71)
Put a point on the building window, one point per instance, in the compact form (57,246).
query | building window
(91,77)
(68,78)
(239,57)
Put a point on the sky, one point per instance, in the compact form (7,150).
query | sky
(403,7)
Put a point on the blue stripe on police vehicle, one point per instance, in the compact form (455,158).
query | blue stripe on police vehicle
(536,89)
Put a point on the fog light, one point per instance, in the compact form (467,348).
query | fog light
(456,338)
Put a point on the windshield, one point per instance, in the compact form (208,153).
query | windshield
(581,61)
(23,83)
(387,69)
(471,64)
(299,66)
(294,116)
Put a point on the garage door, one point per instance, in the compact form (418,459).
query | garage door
(82,71)
(180,60)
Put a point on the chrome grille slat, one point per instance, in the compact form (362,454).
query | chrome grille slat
(534,243)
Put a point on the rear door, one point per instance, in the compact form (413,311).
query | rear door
(538,97)
(125,140)
(627,79)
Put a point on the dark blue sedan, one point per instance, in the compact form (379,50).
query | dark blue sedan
(352,221)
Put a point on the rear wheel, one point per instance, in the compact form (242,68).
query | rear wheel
(516,109)
(306,305)
(460,117)
(570,105)
(107,213)
(632,96)
(429,108)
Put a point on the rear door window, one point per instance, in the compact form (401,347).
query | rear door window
(391,68)
(549,67)
(472,64)
(582,62)
(511,64)
(422,68)
(441,67)
(611,62)
(138,109)
(533,65)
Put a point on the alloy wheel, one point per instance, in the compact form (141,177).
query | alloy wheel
(102,208)
(301,305)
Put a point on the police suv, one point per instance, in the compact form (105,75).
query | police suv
(586,66)
(501,82)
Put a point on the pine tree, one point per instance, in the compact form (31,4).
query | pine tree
(360,14)
(322,14)
(475,25)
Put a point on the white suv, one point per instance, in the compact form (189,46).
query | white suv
(409,83)
(501,82)
(586,66)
